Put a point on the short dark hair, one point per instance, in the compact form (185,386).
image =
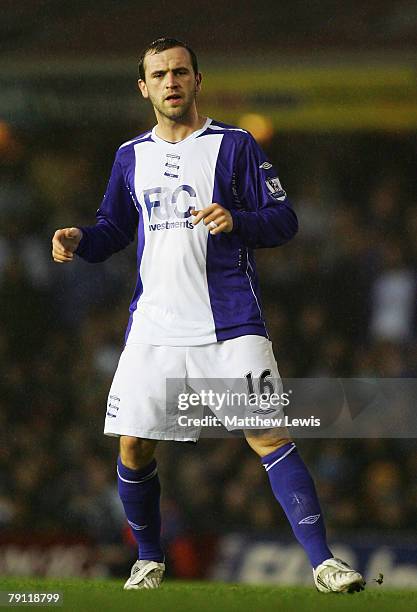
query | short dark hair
(162,44)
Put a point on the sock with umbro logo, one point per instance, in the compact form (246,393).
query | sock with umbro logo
(294,489)
(140,491)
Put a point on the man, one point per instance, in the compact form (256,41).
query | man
(201,196)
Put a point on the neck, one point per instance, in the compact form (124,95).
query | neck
(176,130)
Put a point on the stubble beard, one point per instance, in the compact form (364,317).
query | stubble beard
(176,114)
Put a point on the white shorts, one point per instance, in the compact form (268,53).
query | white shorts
(143,399)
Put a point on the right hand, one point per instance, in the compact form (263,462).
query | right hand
(64,243)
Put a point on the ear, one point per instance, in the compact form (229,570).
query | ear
(143,88)
(198,79)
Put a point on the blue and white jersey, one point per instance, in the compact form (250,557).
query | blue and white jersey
(192,287)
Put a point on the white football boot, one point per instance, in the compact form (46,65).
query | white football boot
(145,575)
(335,576)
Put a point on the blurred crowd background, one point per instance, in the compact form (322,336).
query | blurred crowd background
(340,300)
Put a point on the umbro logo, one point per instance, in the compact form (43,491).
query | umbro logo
(309,520)
(263,411)
(135,526)
(266,165)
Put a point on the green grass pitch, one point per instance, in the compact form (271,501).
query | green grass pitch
(100,595)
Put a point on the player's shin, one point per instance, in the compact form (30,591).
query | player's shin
(140,491)
(293,487)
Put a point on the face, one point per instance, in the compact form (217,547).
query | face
(171,84)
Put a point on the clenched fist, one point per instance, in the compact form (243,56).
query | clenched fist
(64,243)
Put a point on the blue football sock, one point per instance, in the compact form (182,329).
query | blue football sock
(293,487)
(140,491)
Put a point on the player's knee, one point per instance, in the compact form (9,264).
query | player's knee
(264,443)
(136,453)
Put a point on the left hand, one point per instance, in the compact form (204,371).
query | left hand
(217,215)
